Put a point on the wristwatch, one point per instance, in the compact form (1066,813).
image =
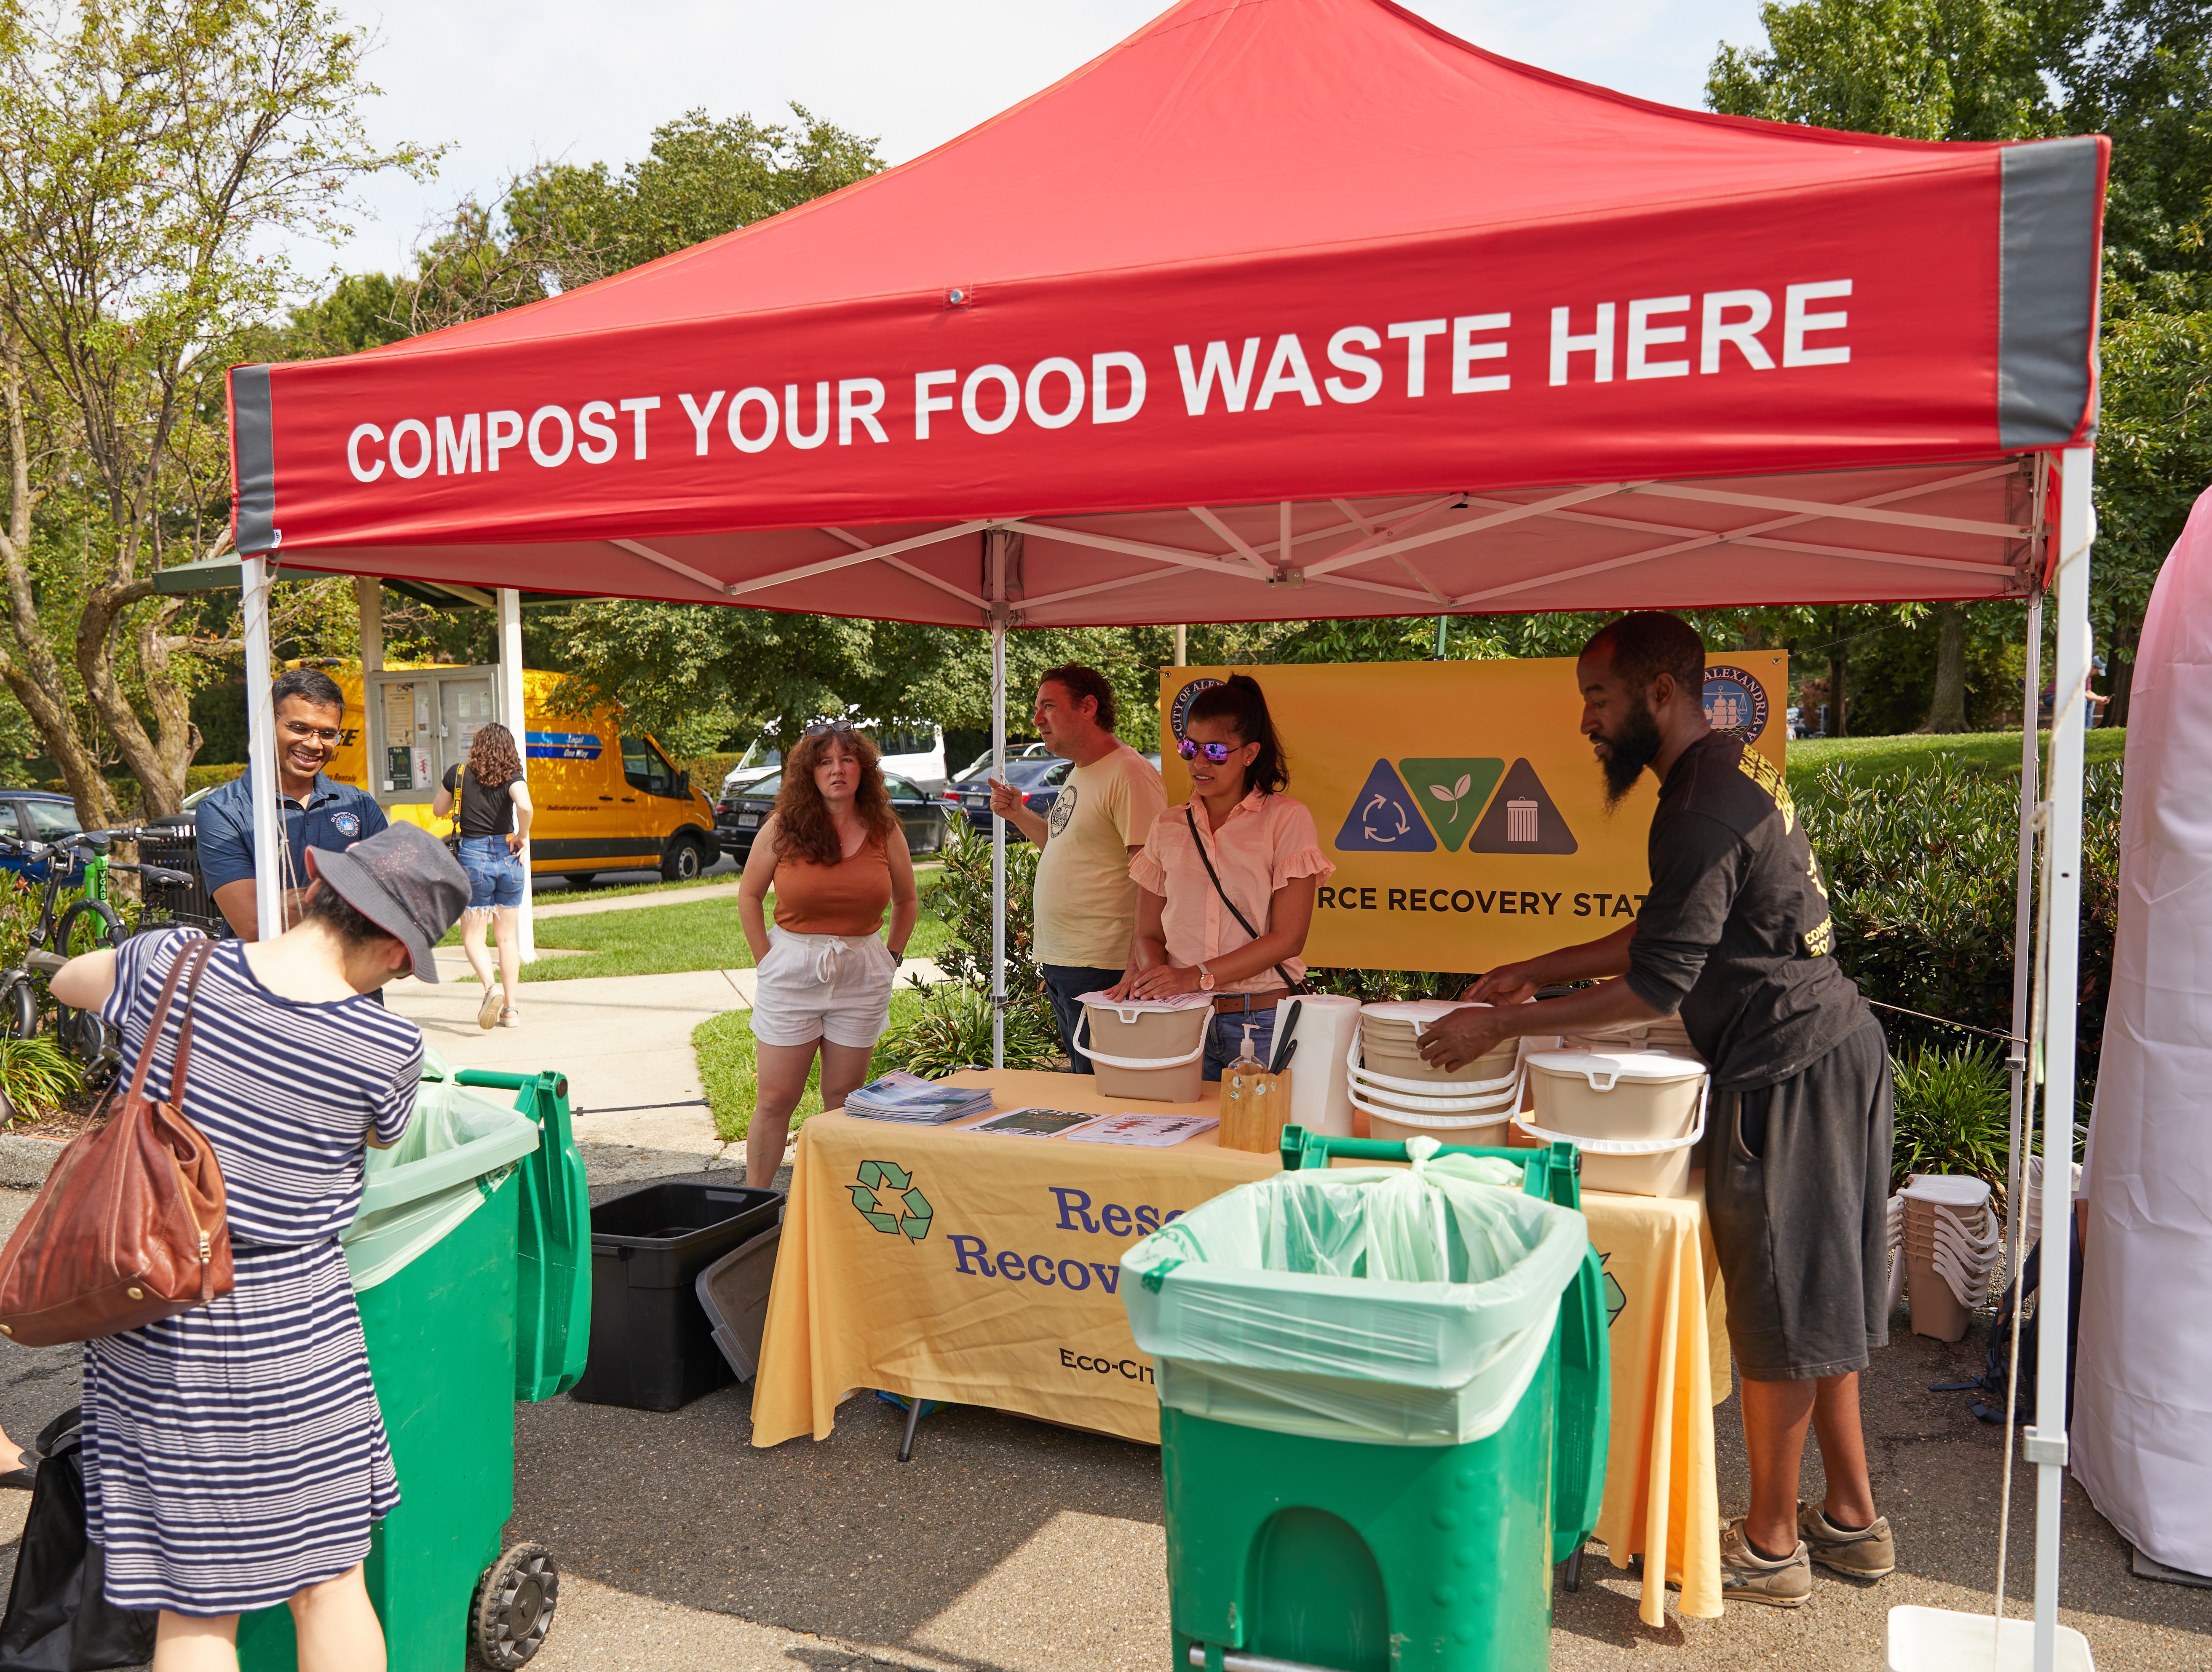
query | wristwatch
(1205,979)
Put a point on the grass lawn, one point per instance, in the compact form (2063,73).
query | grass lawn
(924,871)
(1864,759)
(702,935)
(724,1049)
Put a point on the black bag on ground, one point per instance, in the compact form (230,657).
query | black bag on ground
(58,1618)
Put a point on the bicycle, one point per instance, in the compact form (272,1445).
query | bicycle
(88,924)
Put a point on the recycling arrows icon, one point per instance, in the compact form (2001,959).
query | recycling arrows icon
(884,1186)
(1384,818)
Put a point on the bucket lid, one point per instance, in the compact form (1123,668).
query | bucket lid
(1181,1001)
(1948,1190)
(1420,1012)
(1603,1069)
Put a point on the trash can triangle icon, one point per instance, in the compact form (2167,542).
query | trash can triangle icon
(1384,818)
(1521,818)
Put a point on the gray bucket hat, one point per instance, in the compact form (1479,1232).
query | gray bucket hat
(403,881)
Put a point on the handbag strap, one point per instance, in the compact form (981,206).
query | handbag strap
(192,963)
(1191,819)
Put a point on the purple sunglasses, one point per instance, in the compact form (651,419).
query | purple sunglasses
(1218,753)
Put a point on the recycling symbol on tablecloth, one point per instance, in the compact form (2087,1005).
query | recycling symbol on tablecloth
(1616,1298)
(887,1198)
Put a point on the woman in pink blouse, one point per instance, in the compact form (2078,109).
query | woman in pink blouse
(1263,848)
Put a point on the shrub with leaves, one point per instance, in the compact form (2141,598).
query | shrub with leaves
(961,897)
(1953,1109)
(36,1078)
(951,1029)
(1921,875)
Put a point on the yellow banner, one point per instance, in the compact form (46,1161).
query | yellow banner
(1461,803)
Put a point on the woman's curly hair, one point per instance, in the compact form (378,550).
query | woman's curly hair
(492,760)
(804,829)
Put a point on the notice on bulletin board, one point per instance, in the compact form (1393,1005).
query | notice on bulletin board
(1461,802)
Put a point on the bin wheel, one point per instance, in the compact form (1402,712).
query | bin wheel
(513,1608)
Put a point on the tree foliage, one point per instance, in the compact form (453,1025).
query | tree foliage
(148,148)
(2140,71)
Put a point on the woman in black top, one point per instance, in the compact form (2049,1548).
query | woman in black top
(491,805)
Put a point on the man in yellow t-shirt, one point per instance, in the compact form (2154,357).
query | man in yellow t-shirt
(1085,907)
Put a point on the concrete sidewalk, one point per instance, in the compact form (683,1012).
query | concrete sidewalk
(623,1041)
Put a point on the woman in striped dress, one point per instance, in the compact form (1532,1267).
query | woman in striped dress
(234,1455)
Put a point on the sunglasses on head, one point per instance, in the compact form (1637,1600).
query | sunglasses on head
(1218,753)
(832,728)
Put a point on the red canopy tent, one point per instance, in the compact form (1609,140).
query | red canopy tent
(1285,309)
(1282,308)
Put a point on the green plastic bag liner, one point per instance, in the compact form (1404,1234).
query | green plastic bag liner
(457,1148)
(1392,1305)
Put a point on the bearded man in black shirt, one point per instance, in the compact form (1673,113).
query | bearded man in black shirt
(1735,937)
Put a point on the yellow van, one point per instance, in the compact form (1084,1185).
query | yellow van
(605,800)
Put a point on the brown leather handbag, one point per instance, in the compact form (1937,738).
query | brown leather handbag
(130,1225)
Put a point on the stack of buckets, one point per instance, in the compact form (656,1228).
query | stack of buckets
(1399,1096)
(1951,1245)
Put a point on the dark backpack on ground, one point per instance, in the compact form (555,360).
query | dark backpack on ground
(1990,1385)
(59,1619)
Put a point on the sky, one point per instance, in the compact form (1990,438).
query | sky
(581,81)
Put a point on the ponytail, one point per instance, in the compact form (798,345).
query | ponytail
(1240,703)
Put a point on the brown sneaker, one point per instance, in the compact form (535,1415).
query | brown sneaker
(1748,1576)
(1869,1553)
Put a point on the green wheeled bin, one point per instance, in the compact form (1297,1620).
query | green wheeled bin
(471,1266)
(1384,1396)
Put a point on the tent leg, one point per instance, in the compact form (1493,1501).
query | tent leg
(998,851)
(2045,1445)
(2023,945)
(513,715)
(261,749)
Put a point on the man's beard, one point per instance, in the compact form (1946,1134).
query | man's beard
(1628,752)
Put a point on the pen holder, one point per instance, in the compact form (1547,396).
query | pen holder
(1255,1107)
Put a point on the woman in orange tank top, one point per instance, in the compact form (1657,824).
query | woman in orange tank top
(836,858)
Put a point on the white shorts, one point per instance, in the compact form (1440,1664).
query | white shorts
(830,987)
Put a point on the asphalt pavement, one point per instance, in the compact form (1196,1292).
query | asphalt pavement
(1012,1546)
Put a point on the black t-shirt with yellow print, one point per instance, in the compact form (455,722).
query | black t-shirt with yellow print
(1735,932)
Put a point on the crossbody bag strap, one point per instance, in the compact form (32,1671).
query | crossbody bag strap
(198,954)
(1191,819)
(191,961)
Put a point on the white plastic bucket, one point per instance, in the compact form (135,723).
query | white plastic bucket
(1452,1110)
(1666,1034)
(1637,1116)
(1145,1048)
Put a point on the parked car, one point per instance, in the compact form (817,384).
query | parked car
(975,769)
(905,749)
(39,815)
(1037,776)
(737,819)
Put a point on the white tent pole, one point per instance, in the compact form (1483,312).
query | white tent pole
(261,747)
(2046,1443)
(512,714)
(997,547)
(2023,942)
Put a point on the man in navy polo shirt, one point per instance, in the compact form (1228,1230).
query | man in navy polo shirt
(317,812)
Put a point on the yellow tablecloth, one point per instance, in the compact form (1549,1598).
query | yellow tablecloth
(936,1263)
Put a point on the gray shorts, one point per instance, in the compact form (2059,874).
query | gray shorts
(1797,1186)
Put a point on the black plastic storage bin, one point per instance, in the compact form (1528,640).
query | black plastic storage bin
(652,1346)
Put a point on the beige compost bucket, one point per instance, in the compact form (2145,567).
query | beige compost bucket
(1390,1046)
(1147,1049)
(1636,1116)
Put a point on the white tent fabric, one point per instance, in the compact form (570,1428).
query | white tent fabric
(2142,1421)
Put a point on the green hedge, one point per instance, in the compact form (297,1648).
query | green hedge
(1921,868)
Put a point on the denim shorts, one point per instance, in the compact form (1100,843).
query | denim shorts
(495,874)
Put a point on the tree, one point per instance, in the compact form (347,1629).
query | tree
(1922,69)
(148,150)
